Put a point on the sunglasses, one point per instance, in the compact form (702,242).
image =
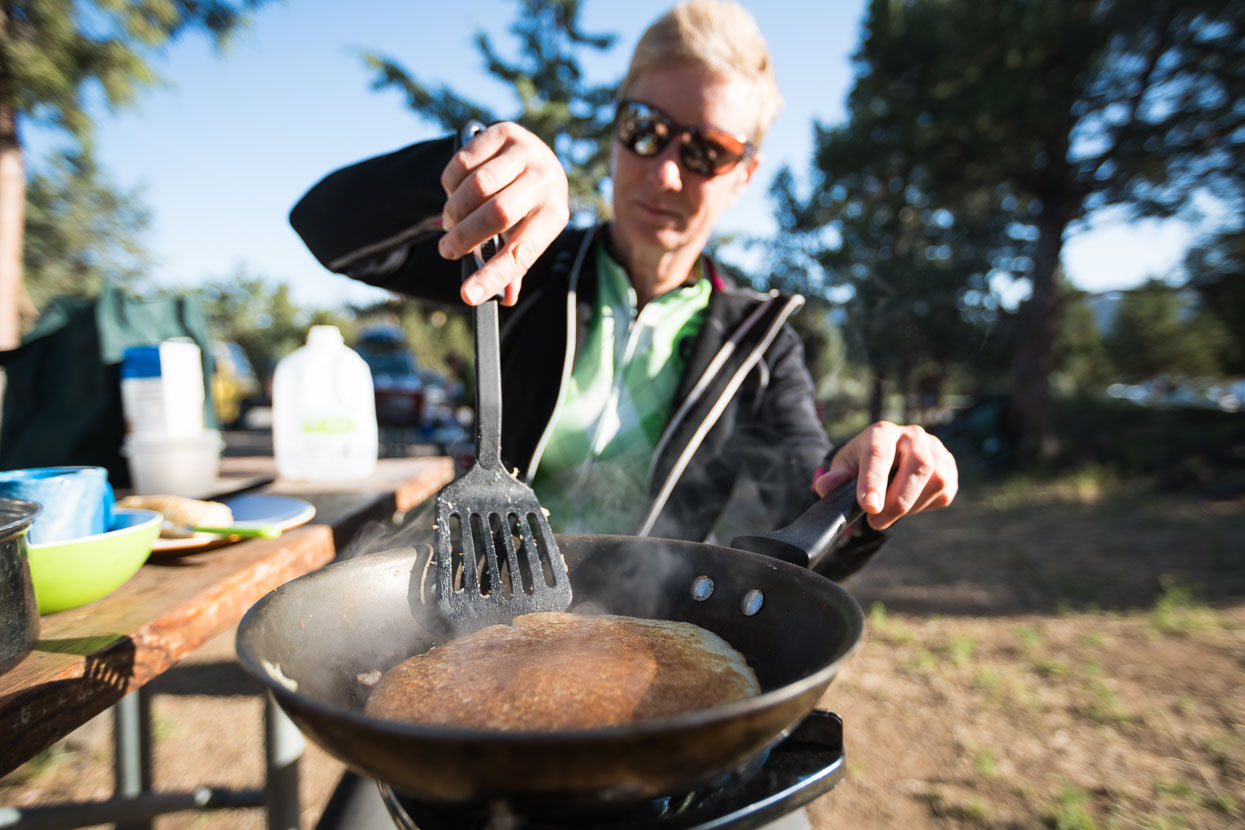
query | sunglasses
(645,130)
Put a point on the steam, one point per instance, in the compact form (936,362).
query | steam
(376,536)
(638,580)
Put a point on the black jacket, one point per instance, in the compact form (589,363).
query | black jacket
(743,407)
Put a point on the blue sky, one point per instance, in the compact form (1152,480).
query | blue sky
(222,151)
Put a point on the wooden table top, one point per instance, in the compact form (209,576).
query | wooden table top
(90,657)
(397,486)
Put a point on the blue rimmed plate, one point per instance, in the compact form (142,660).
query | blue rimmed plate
(249,510)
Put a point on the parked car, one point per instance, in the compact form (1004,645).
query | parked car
(400,392)
(1183,393)
(235,386)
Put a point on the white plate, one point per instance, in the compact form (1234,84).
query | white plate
(249,510)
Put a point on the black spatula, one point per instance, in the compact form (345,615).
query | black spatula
(496,557)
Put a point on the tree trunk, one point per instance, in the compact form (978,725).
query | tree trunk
(1031,413)
(12,224)
(877,399)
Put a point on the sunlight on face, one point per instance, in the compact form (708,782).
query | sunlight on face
(660,206)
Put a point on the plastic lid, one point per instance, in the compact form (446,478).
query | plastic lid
(324,335)
(140,362)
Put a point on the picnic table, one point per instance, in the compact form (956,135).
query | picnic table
(103,654)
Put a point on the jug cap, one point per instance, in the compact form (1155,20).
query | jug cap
(324,334)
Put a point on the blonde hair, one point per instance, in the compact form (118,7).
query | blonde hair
(717,35)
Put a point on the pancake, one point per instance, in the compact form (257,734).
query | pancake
(557,671)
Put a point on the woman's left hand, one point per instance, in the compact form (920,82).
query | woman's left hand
(926,477)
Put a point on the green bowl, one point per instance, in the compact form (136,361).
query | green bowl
(77,571)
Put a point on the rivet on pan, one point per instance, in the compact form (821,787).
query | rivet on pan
(752,602)
(702,588)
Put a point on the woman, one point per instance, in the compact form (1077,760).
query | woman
(638,384)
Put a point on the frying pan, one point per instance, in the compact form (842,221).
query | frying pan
(318,642)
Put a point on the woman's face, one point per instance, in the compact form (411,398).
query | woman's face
(660,206)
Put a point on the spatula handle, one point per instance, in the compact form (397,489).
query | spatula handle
(488,353)
(488,382)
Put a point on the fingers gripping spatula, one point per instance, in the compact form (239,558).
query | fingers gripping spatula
(496,557)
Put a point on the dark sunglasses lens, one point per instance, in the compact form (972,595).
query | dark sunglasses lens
(649,141)
(709,155)
(642,131)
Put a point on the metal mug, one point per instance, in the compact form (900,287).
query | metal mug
(19,615)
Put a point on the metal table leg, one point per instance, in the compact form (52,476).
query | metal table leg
(283,748)
(134,805)
(132,750)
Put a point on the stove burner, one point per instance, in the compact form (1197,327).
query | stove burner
(806,764)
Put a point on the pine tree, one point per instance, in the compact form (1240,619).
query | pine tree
(53,55)
(1024,118)
(554,101)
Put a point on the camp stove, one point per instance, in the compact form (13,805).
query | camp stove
(804,765)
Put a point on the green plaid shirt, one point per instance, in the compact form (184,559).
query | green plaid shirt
(592,474)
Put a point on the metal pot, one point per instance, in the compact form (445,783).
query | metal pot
(19,615)
(315,641)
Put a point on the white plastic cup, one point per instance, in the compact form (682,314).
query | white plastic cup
(173,465)
(162,388)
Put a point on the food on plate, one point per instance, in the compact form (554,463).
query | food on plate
(556,670)
(182,511)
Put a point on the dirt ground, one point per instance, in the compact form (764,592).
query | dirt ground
(1069,655)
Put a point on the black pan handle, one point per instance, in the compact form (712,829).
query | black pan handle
(810,538)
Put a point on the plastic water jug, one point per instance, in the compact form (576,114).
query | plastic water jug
(324,411)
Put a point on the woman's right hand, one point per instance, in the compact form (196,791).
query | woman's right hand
(925,473)
(504,182)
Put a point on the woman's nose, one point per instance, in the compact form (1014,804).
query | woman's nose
(667,170)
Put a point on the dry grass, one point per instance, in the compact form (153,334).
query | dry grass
(1050,657)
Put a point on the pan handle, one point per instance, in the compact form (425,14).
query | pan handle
(811,537)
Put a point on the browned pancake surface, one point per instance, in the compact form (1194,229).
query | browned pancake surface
(565,671)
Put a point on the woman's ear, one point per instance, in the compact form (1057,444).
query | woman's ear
(742,179)
(753,162)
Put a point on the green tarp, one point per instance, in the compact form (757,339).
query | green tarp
(62,399)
